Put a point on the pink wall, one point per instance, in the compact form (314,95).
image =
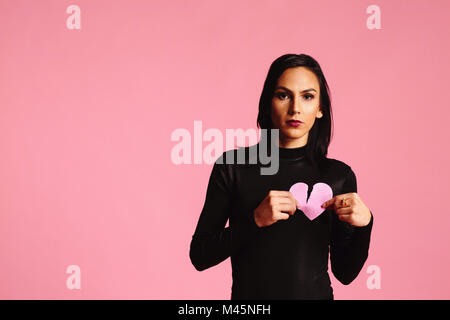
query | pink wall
(86,117)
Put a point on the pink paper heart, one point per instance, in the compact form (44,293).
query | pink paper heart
(311,207)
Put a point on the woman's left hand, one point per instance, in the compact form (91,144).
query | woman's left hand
(350,208)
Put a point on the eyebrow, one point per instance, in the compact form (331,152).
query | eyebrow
(306,90)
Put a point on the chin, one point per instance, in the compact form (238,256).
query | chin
(292,133)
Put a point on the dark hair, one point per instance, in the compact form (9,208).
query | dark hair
(319,136)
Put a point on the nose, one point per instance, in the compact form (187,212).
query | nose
(295,106)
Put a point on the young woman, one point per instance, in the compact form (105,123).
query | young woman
(283,227)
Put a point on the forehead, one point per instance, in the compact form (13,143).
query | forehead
(298,78)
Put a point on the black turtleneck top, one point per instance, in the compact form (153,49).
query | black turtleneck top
(288,259)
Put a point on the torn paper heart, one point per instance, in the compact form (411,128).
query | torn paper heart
(311,207)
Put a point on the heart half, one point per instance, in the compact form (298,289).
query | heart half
(311,207)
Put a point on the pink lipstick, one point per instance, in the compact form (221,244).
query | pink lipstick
(294,123)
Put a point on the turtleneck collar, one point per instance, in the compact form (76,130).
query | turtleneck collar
(292,153)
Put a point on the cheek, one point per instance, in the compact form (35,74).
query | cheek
(310,118)
(310,111)
(276,111)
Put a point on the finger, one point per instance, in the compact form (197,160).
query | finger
(293,199)
(345,217)
(339,200)
(278,215)
(279,200)
(279,193)
(349,202)
(284,197)
(353,195)
(348,195)
(345,210)
(286,207)
(328,203)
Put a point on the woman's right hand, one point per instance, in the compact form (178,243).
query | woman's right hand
(277,205)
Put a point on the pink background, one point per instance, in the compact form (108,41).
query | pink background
(86,118)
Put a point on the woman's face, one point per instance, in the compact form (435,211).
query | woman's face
(296,97)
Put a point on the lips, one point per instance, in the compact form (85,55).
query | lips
(294,123)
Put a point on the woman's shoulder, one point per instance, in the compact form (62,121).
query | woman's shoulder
(337,165)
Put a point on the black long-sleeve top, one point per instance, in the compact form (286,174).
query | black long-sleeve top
(288,259)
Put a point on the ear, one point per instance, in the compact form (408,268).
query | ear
(319,114)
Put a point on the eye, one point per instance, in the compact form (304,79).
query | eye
(309,96)
(281,94)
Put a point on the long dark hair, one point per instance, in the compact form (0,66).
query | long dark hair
(320,135)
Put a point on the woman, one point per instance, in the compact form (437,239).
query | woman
(284,226)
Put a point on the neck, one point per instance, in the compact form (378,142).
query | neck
(292,143)
(292,153)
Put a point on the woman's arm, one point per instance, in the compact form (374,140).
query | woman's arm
(349,245)
(212,243)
